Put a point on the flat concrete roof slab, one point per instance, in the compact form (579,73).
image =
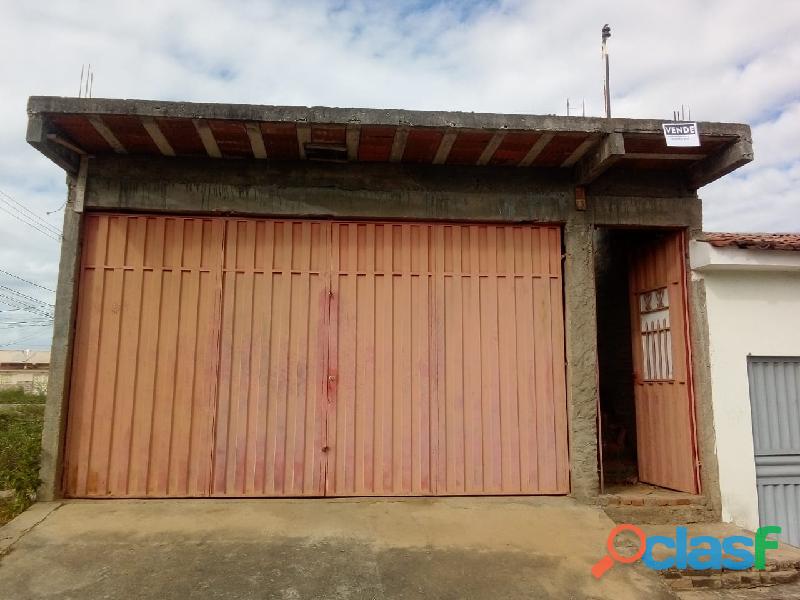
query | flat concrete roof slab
(66,129)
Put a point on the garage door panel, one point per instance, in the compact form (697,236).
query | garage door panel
(558,365)
(422,404)
(490,384)
(379,430)
(194,396)
(270,414)
(254,357)
(503,398)
(130,396)
(121,422)
(526,382)
(145,397)
(453,389)
(509,388)
(81,408)
(545,421)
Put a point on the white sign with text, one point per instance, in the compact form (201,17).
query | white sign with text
(681,134)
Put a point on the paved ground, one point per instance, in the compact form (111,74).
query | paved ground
(789,591)
(296,549)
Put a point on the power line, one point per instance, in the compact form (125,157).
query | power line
(23,214)
(32,214)
(22,339)
(41,287)
(26,297)
(29,224)
(16,303)
(12,212)
(28,321)
(27,214)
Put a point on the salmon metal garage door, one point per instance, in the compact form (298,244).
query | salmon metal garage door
(255,357)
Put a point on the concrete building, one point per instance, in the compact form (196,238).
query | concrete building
(25,369)
(290,301)
(752,284)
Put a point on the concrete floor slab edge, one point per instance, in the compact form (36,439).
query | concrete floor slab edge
(14,530)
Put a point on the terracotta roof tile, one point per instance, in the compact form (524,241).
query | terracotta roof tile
(758,241)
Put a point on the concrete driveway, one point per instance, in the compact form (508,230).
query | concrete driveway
(373,549)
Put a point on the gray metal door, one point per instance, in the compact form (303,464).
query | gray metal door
(775,405)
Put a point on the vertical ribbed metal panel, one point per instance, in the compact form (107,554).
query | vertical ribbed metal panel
(270,418)
(145,361)
(447,358)
(664,407)
(775,407)
(500,360)
(381,409)
(254,357)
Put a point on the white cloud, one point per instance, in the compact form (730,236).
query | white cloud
(730,60)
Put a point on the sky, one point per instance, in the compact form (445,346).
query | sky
(729,60)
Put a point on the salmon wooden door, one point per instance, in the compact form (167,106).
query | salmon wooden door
(255,357)
(662,373)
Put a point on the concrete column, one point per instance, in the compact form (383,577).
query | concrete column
(581,340)
(61,352)
(701,382)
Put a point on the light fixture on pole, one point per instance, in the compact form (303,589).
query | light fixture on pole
(606,88)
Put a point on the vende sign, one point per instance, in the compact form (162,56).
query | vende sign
(681,134)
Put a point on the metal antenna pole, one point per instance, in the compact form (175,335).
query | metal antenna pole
(607,88)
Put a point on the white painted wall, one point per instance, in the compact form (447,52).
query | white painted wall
(751,310)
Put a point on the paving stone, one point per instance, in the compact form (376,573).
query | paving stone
(713,583)
(681,584)
(731,580)
(784,576)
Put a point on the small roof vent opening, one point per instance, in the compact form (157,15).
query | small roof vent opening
(326,152)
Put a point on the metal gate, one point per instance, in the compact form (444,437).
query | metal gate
(254,357)
(775,407)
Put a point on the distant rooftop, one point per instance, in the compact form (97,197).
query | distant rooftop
(758,241)
(64,129)
(31,357)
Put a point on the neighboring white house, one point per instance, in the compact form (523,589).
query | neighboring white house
(752,284)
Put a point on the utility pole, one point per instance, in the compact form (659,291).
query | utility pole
(606,88)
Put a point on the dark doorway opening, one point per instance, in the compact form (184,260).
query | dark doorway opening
(646,405)
(615,362)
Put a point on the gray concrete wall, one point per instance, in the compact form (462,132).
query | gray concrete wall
(701,379)
(387,191)
(55,413)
